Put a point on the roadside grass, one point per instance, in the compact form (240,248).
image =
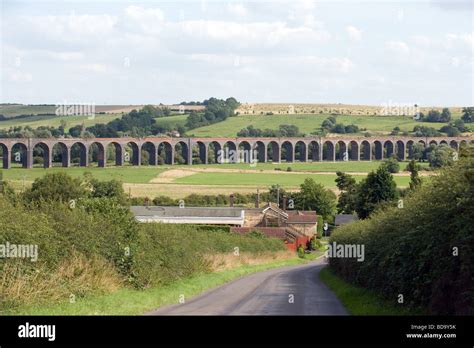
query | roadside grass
(137,302)
(360,301)
(308,123)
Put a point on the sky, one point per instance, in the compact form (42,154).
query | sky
(139,52)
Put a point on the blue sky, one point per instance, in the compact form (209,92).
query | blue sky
(124,52)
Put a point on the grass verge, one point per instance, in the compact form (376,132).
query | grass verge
(360,301)
(136,302)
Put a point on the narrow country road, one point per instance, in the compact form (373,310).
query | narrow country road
(291,290)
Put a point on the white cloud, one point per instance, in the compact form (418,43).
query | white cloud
(399,47)
(237,9)
(354,33)
(18,76)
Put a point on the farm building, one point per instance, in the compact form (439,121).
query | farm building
(293,226)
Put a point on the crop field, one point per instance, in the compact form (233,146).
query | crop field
(309,123)
(347,109)
(11,110)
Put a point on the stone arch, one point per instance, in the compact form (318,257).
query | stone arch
(454,144)
(341,151)
(60,153)
(132,154)
(261,151)
(96,153)
(148,154)
(79,154)
(329,153)
(42,155)
(199,153)
(388,149)
(5,152)
(273,151)
(443,142)
(400,150)
(287,151)
(181,153)
(301,153)
(377,150)
(165,153)
(245,152)
(114,152)
(422,142)
(314,151)
(365,151)
(229,152)
(353,151)
(19,154)
(214,149)
(409,148)
(433,142)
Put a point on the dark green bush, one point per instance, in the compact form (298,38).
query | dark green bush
(411,251)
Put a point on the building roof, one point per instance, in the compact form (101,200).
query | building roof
(189,215)
(342,219)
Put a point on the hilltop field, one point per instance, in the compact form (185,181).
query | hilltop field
(307,117)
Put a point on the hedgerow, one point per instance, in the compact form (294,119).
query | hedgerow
(423,251)
(96,245)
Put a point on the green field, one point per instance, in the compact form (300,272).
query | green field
(349,166)
(126,174)
(308,123)
(55,121)
(172,121)
(10,110)
(266,179)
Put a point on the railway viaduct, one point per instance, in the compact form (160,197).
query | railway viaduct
(163,150)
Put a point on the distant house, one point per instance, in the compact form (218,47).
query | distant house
(342,219)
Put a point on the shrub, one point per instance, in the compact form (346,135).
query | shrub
(410,251)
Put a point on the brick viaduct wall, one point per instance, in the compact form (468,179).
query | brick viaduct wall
(256,149)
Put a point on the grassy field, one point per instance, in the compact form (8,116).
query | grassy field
(55,121)
(172,121)
(349,166)
(308,123)
(266,179)
(125,174)
(359,301)
(136,302)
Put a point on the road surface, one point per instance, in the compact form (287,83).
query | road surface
(291,290)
